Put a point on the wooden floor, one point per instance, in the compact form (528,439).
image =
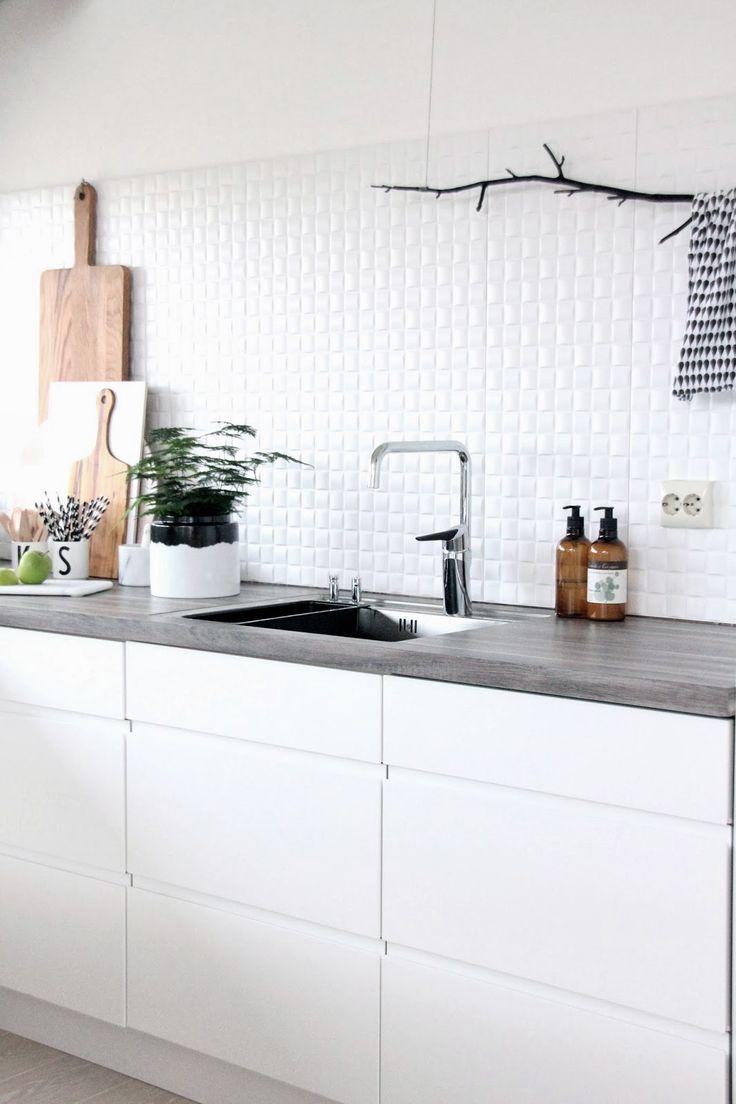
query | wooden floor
(35,1074)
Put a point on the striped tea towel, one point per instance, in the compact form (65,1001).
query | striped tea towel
(708,357)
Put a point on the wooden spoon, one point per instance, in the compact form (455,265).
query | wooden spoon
(26,525)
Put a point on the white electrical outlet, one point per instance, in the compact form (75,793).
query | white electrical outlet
(687,504)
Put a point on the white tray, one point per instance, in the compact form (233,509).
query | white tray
(57,588)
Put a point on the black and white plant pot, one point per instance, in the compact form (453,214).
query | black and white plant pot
(194,557)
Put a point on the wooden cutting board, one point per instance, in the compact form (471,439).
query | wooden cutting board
(85,311)
(72,428)
(101,473)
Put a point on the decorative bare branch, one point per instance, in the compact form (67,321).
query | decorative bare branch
(570,187)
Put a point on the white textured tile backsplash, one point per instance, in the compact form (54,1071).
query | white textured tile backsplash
(558,345)
(542,332)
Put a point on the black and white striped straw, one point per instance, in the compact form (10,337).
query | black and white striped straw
(70,519)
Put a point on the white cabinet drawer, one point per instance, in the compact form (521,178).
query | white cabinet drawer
(62,938)
(626,907)
(285,704)
(448,1038)
(639,758)
(57,671)
(282,830)
(285,1004)
(62,786)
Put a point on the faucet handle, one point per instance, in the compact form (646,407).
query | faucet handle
(443,535)
(453,540)
(333,590)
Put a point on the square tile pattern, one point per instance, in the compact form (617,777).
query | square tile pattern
(543,333)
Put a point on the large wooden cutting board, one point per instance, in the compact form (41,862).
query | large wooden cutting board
(85,311)
(101,473)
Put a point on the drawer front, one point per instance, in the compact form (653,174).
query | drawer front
(56,671)
(62,787)
(625,907)
(62,938)
(638,758)
(288,1005)
(291,832)
(445,1037)
(284,704)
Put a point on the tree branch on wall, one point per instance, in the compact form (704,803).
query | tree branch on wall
(565,185)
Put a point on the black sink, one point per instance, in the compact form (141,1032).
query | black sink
(358,622)
(240,616)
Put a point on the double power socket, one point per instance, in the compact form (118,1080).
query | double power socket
(687,504)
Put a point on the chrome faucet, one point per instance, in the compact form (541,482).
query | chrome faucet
(455,540)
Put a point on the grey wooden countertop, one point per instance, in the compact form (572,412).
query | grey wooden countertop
(683,666)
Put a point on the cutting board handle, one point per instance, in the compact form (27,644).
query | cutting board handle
(105,407)
(85,224)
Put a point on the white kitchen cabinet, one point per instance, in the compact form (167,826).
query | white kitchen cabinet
(62,938)
(62,798)
(552,877)
(625,907)
(453,1039)
(295,1007)
(646,759)
(62,786)
(264,701)
(282,830)
(57,671)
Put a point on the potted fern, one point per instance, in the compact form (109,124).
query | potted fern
(191,486)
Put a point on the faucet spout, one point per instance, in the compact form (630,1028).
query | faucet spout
(376,460)
(455,540)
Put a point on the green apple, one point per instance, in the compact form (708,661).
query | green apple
(8,577)
(34,568)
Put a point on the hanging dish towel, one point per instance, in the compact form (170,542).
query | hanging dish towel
(708,358)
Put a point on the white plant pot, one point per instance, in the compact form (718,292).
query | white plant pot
(195,558)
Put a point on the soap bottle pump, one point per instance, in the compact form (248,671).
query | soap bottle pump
(607,572)
(571,568)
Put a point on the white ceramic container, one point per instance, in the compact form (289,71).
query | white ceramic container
(69,559)
(134,567)
(19,548)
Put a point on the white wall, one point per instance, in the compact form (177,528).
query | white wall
(542,332)
(106,88)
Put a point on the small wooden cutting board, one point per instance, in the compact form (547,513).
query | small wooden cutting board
(85,311)
(101,473)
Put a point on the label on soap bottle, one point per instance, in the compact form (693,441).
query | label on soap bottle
(607,584)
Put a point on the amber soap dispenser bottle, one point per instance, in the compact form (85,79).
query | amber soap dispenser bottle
(607,572)
(571,575)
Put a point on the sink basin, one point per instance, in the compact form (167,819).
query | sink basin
(362,622)
(240,615)
(366,623)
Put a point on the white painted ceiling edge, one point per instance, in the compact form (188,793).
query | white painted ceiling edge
(108,89)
